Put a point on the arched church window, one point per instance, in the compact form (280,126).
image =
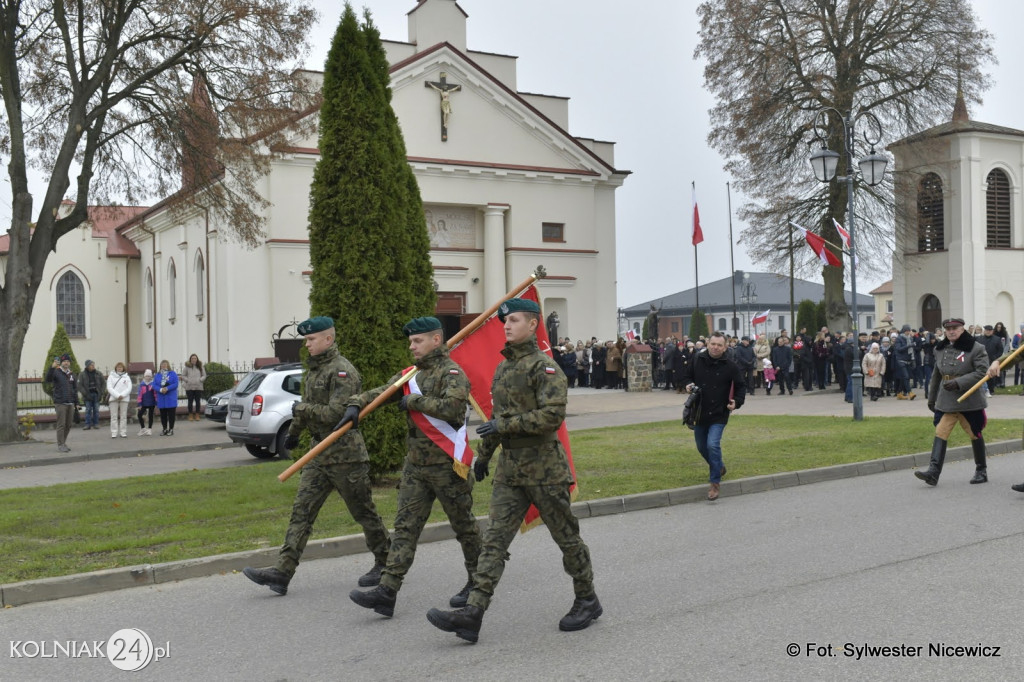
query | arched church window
(70,300)
(930,219)
(172,281)
(997,209)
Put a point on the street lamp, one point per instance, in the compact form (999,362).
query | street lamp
(749,296)
(825,163)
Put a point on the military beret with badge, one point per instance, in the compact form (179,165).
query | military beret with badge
(315,324)
(421,325)
(517,305)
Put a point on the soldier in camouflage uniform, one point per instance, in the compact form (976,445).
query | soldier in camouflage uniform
(530,395)
(344,466)
(442,392)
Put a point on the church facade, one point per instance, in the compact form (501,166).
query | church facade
(959,225)
(505,188)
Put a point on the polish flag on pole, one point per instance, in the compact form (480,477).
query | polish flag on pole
(846,238)
(760,318)
(630,335)
(698,234)
(817,245)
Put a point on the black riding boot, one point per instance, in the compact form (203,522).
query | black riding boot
(980,470)
(931,476)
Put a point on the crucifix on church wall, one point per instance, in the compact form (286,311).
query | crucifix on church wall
(444,88)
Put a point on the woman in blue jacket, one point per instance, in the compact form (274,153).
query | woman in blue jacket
(167,396)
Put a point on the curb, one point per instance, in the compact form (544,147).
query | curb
(82,584)
(120,454)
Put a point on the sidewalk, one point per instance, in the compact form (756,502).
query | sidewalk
(588,408)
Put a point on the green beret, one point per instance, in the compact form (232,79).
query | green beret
(517,305)
(421,325)
(315,324)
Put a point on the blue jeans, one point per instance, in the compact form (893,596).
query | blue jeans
(709,444)
(92,412)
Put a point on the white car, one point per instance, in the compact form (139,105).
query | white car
(260,409)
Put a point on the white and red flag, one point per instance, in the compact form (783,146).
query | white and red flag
(455,442)
(630,335)
(817,245)
(760,318)
(698,234)
(846,239)
(479,355)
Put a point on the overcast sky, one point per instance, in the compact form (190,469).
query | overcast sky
(629,72)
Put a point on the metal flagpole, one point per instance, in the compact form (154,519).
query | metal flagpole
(732,261)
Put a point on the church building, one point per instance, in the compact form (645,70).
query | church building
(959,224)
(505,188)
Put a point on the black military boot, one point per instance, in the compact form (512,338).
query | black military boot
(464,622)
(582,614)
(371,577)
(931,476)
(271,577)
(980,470)
(460,599)
(381,599)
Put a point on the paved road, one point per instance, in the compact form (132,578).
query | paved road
(695,591)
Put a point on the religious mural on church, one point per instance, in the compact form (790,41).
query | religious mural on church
(451,227)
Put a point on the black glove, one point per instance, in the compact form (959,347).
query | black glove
(291,442)
(351,415)
(487,428)
(480,470)
(951,385)
(403,404)
(931,406)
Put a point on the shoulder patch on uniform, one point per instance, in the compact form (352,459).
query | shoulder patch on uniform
(549,370)
(342,375)
(453,371)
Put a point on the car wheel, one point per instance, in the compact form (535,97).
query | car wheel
(257,451)
(282,435)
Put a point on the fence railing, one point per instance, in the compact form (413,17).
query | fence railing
(31,394)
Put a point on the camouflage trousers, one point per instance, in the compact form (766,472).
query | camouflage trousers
(420,486)
(318,481)
(508,508)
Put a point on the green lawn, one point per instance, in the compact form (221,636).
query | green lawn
(78,527)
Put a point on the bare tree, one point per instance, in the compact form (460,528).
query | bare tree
(773,65)
(140,99)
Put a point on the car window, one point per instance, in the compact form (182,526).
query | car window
(250,383)
(293,384)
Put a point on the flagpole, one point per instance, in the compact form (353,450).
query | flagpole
(792,322)
(696,272)
(537,274)
(732,261)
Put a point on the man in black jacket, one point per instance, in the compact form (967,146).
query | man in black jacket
(722,390)
(744,357)
(65,398)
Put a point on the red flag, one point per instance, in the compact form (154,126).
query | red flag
(698,234)
(630,335)
(817,245)
(760,318)
(843,233)
(479,355)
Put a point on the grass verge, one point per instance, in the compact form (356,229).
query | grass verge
(79,527)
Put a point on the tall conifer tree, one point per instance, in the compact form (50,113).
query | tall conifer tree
(369,246)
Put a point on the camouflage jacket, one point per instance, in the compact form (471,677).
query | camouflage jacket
(530,393)
(329,382)
(444,394)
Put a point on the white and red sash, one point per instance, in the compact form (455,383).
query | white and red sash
(455,443)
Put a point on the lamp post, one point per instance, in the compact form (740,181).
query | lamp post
(749,296)
(824,163)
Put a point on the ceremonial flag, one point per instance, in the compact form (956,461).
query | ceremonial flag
(698,234)
(760,318)
(630,335)
(479,355)
(817,245)
(454,442)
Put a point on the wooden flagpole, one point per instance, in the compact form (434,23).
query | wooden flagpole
(981,383)
(539,273)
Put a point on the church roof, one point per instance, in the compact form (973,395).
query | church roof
(103,221)
(955,128)
(772,291)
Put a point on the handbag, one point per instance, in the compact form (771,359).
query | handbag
(691,409)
